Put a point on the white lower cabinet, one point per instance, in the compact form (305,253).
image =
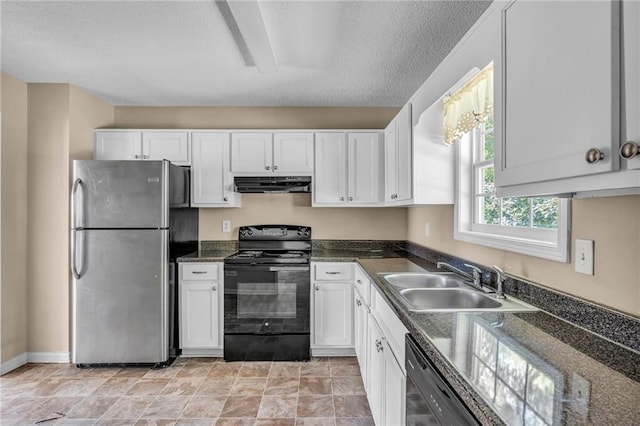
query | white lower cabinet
(333,319)
(360,330)
(332,312)
(200,308)
(375,379)
(385,376)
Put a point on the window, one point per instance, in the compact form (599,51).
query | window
(533,226)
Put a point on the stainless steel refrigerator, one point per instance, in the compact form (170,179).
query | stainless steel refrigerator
(123,297)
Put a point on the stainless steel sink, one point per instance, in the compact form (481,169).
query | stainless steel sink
(457,299)
(422,280)
(433,292)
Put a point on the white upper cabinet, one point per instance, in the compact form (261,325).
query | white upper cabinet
(398,158)
(560,100)
(631,84)
(172,146)
(251,152)
(293,152)
(364,168)
(263,153)
(136,145)
(348,169)
(118,146)
(211,182)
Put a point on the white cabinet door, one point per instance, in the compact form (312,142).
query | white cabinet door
(398,158)
(390,162)
(560,96)
(211,184)
(404,131)
(293,153)
(199,324)
(376,391)
(118,146)
(330,179)
(394,388)
(251,152)
(364,167)
(631,16)
(172,146)
(333,314)
(360,329)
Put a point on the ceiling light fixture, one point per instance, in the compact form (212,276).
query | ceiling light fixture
(250,25)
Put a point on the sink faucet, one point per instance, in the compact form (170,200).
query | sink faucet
(475,276)
(499,282)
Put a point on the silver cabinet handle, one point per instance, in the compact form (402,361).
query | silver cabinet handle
(317,288)
(199,272)
(350,198)
(267,167)
(359,281)
(225,199)
(341,198)
(629,150)
(214,288)
(379,346)
(332,273)
(145,156)
(275,167)
(137,156)
(594,155)
(358,302)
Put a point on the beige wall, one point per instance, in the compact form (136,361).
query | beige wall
(14,218)
(295,209)
(613,223)
(61,119)
(328,223)
(253,117)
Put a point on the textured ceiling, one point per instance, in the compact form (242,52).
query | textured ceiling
(175,53)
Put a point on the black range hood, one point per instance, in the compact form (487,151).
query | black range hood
(277,184)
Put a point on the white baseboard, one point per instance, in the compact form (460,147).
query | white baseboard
(13,363)
(49,357)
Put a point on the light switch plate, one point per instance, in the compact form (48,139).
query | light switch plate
(226,226)
(584,256)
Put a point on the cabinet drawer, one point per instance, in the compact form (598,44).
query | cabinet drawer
(200,271)
(334,271)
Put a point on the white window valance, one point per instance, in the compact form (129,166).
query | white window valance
(469,106)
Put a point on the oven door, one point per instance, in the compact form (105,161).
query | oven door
(266,299)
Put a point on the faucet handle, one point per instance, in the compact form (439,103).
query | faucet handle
(475,269)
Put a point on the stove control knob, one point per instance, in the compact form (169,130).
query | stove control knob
(242,232)
(300,232)
(250,232)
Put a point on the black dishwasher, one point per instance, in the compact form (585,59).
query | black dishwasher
(430,399)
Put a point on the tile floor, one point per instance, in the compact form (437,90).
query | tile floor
(193,391)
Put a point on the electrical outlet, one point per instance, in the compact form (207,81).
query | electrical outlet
(427,231)
(226,226)
(584,256)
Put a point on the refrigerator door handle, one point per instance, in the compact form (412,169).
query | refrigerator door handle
(74,269)
(74,190)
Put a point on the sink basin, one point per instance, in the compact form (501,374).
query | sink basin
(451,299)
(421,280)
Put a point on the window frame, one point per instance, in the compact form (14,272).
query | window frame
(538,242)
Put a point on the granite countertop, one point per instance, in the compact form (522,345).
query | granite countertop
(522,368)
(351,255)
